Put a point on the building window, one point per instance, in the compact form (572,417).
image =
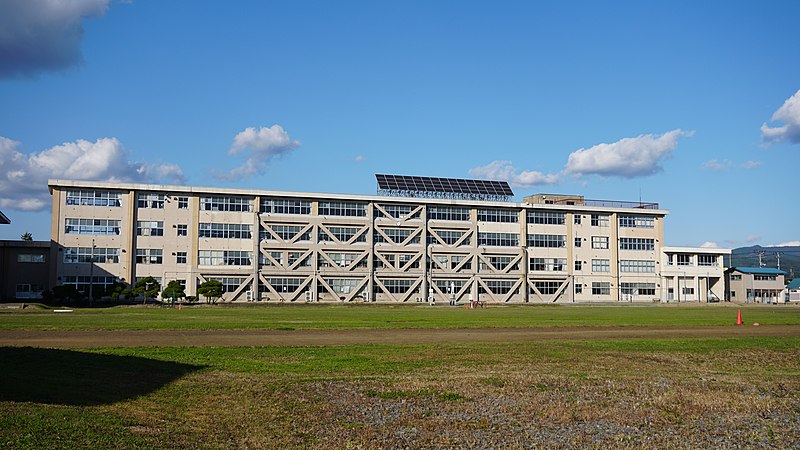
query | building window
(707,260)
(449,237)
(343,285)
(577,242)
(91,226)
(397,286)
(183,202)
(636,244)
(636,222)
(180,258)
(218,203)
(547,240)
(736,278)
(547,287)
(183,230)
(601,265)
(146,228)
(347,209)
(150,200)
(342,234)
(638,266)
(546,217)
(548,264)
(224,258)
(29,291)
(397,211)
(636,289)
(498,239)
(89,254)
(149,256)
(578,265)
(687,290)
(601,288)
(449,213)
(577,219)
(229,284)
(684,260)
(285,206)
(765,277)
(578,288)
(93,198)
(30,258)
(599,220)
(81,283)
(600,242)
(498,215)
(225,230)
(500,287)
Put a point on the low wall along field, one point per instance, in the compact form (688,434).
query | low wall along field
(388,377)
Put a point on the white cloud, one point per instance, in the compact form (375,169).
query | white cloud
(789,114)
(787,244)
(750,165)
(23,178)
(505,171)
(752,238)
(43,35)
(719,166)
(709,244)
(628,157)
(261,145)
(359,158)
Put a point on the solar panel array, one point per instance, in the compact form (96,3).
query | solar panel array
(444,185)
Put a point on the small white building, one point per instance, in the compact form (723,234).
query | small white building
(793,291)
(692,274)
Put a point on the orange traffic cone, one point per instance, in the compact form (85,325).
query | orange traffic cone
(739,318)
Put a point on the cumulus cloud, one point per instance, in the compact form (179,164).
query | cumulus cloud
(789,114)
(43,35)
(709,244)
(719,166)
(261,145)
(628,157)
(505,171)
(23,178)
(750,165)
(787,244)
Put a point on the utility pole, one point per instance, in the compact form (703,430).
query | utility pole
(760,259)
(778,254)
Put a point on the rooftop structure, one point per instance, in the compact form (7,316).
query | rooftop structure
(433,187)
(3,219)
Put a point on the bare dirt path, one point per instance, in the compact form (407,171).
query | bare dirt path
(248,338)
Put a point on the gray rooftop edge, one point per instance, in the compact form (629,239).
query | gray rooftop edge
(332,196)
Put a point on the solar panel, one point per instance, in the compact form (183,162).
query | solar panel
(444,185)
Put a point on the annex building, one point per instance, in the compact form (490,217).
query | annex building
(420,238)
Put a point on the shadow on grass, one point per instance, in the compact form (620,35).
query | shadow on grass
(67,377)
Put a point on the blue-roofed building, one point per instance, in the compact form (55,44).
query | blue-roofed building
(755,285)
(793,291)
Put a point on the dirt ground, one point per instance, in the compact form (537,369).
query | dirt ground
(249,338)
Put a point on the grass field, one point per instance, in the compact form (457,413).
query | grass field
(305,317)
(630,393)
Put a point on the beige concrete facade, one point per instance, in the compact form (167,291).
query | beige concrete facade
(756,285)
(693,274)
(291,246)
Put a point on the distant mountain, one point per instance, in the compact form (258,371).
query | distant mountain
(748,257)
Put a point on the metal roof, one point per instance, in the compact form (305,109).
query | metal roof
(759,270)
(3,219)
(794,284)
(443,185)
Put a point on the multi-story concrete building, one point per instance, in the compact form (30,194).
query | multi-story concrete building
(755,284)
(294,246)
(693,274)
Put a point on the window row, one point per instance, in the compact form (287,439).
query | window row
(548,264)
(637,221)
(498,239)
(225,230)
(90,254)
(285,206)
(547,240)
(93,198)
(224,258)
(91,226)
(498,215)
(636,244)
(546,217)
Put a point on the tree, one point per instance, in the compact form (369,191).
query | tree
(26,236)
(148,287)
(211,290)
(117,290)
(66,292)
(173,290)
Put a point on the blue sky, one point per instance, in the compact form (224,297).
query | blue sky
(695,105)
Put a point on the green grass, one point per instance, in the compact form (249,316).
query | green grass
(378,316)
(300,397)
